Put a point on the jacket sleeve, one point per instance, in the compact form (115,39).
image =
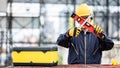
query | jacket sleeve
(106,43)
(63,40)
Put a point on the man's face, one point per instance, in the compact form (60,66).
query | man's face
(84,18)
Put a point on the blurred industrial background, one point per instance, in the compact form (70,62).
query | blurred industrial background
(39,22)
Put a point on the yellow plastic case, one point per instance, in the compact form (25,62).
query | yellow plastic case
(42,56)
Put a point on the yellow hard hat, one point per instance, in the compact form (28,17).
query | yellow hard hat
(83,10)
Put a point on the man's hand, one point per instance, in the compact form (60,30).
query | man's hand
(98,29)
(73,32)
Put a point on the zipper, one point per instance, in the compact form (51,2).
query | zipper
(95,50)
(75,49)
(85,47)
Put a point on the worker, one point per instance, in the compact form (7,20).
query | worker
(84,46)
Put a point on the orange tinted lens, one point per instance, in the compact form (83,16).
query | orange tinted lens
(84,17)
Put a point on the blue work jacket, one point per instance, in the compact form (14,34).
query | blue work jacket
(86,48)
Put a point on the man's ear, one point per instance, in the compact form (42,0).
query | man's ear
(92,21)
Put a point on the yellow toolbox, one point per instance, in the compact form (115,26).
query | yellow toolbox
(42,56)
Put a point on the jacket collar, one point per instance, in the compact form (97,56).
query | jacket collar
(86,32)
